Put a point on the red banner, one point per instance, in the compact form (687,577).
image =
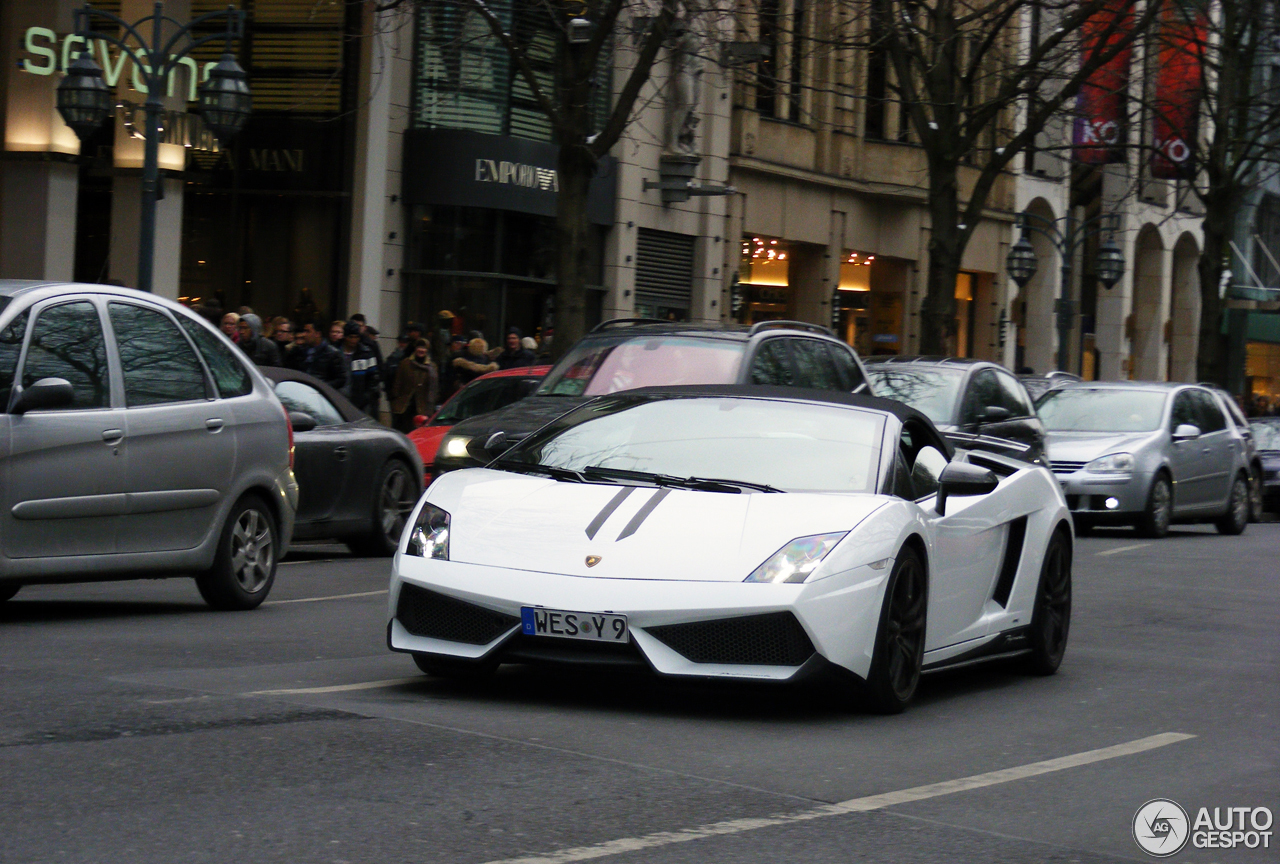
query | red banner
(1176,107)
(1100,105)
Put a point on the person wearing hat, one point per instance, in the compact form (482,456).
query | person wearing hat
(417,386)
(514,354)
(404,346)
(363,374)
(261,350)
(448,381)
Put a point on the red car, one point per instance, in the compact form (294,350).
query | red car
(487,393)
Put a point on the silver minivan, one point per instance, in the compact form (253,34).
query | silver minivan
(1146,454)
(136,442)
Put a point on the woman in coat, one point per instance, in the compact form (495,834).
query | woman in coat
(416,388)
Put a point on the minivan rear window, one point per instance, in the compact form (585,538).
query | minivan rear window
(228,372)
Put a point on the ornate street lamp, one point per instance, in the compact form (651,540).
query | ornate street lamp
(225,100)
(1021,261)
(84,100)
(1110,264)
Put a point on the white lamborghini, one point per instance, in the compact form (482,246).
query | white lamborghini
(737,532)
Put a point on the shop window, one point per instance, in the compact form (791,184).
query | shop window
(965,309)
(764,278)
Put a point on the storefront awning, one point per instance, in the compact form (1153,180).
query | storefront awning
(1259,326)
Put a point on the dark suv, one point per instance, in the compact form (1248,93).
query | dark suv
(628,353)
(975,403)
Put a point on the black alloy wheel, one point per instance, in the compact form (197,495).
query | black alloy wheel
(1236,519)
(245,565)
(395,495)
(1155,520)
(899,652)
(1051,615)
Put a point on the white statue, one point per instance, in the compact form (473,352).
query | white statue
(684,92)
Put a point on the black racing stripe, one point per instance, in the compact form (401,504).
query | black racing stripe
(603,515)
(643,513)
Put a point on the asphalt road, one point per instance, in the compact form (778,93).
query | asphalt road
(136,726)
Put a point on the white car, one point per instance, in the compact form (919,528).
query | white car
(737,532)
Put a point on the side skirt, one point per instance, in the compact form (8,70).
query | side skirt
(1010,643)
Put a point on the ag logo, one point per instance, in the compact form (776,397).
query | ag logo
(1161,828)
(593,560)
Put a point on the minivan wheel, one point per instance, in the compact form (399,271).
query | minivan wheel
(394,499)
(1155,520)
(8,591)
(1236,519)
(245,566)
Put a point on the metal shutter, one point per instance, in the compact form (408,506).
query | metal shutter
(664,269)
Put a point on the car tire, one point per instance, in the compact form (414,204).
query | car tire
(1155,519)
(395,495)
(899,650)
(245,565)
(1256,504)
(1051,615)
(7,592)
(454,670)
(1236,519)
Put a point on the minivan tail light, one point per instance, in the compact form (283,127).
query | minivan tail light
(288,424)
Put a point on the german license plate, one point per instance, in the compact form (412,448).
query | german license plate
(596,626)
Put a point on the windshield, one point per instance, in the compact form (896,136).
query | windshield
(932,392)
(599,366)
(1082,409)
(482,397)
(793,446)
(1267,435)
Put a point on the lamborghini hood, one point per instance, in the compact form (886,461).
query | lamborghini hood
(526,522)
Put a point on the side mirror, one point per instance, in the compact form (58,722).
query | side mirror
(419,420)
(45,393)
(996,414)
(301,421)
(497,444)
(962,479)
(1186,432)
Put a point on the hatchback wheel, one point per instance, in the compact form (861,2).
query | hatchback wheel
(1051,615)
(899,652)
(395,496)
(1155,520)
(1256,505)
(1236,519)
(245,566)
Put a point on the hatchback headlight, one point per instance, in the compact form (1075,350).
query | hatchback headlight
(455,446)
(1115,463)
(795,561)
(430,535)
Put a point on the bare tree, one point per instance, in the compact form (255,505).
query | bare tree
(960,70)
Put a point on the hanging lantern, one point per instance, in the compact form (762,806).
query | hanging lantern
(1021,261)
(225,100)
(84,100)
(1110,264)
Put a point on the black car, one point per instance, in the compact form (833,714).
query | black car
(357,480)
(629,353)
(1266,432)
(975,403)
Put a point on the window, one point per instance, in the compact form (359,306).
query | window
(481,397)
(228,372)
(848,374)
(10,349)
(1211,419)
(158,365)
(1012,396)
(1184,411)
(813,366)
(297,396)
(984,391)
(67,343)
(772,365)
(767,77)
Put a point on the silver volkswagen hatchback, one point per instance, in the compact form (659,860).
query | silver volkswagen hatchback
(136,442)
(1146,454)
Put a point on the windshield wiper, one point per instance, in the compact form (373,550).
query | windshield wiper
(565,475)
(700,484)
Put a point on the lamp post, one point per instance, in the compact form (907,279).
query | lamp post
(1021,261)
(85,101)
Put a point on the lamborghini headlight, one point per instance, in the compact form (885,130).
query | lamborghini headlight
(455,446)
(430,535)
(1116,463)
(795,561)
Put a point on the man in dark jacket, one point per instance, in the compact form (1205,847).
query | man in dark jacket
(514,354)
(365,376)
(319,359)
(260,349)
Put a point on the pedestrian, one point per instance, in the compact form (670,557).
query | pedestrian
(336,333)
(514,354)
(475,362)
(362,369)
(260,349)
(453,350)
(318,358)
(282,334)
(417,387)
(544,347)
(231,326)
(531,345)
(404,346)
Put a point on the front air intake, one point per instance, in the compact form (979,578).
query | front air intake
(775,639)
(436,616)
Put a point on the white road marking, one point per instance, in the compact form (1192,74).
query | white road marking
(329,597)
(1119,549)
(338,688)
(854,805)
